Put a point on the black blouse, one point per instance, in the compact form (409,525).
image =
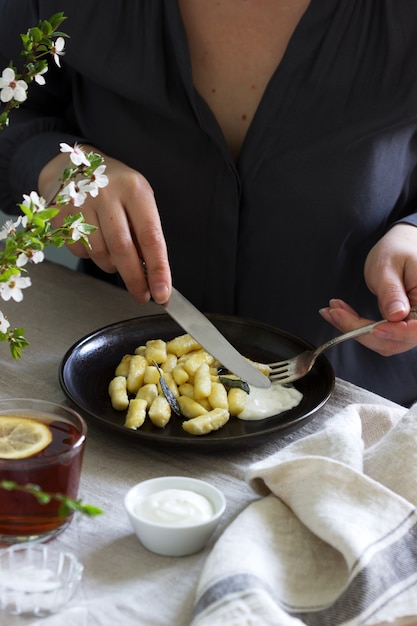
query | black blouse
(327,166)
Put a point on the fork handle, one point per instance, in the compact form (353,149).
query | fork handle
(363,330)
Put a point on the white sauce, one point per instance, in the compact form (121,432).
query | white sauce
(262,403)
(175,507)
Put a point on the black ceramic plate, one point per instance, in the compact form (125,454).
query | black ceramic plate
(89,365)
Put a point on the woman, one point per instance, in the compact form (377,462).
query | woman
(267,147)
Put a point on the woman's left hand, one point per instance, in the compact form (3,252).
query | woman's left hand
(391,274)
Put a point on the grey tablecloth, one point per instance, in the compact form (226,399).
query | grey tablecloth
(123,583)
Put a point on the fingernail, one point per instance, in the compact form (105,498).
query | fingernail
(160,293)
(395,307)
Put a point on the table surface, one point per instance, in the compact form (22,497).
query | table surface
(123,583)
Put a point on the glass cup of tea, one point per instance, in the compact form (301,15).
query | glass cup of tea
(42,444)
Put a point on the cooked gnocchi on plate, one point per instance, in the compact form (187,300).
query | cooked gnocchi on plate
(180,378)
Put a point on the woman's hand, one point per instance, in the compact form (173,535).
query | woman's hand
(391,274)
(128,227)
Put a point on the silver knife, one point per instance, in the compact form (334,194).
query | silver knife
(207,335)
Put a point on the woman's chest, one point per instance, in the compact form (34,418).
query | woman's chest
(235,47)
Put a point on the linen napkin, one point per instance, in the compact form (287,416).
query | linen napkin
(333,538)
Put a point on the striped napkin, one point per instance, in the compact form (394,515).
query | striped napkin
(333,538)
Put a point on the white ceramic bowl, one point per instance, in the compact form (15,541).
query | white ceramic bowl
(162,537)
(36,579)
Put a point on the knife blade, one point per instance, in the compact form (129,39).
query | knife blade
(207,335)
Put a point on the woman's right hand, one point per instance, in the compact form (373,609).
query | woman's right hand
(129,230)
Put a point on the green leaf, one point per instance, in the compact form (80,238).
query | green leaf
(68,505)
(8,273)
(47,213)
(4,119)
(87,229)
(9,485)
(35,34)
(95,159)
(70,219)
(171,399)
(25,39)
(56,240)
(234,382)
(56,20)
(59,33)
(43,498)
(26,210)
(89,509)
(37,220)
(17,342)
(46,29)
(67,174)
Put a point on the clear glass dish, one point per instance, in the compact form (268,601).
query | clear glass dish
(36,579)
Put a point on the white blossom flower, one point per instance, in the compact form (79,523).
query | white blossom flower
(39,78)
(75,193)
(10,227)
(4,323)
(12,89)
(98,180)
(89,186)
(77,155)
(92,189)
(36,256)
(58,50)
(6,229)
(76,233)
(13,287)
(34,201)
(64,197)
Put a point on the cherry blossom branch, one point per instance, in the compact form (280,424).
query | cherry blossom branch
(25,238)
(41,41)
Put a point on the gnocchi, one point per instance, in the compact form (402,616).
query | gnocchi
(189,375)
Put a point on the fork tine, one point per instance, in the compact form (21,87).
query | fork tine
(279,364)
(285,379)
(279,371)
(291,369)
(282,371)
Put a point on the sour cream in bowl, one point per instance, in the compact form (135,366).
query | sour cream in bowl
(174,515)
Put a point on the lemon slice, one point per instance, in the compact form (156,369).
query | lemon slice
(21,437)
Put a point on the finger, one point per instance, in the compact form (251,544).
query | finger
(386,339)
(131,234)
(152,248)
(394,337)
(391,271)
(342,316)
(393,301)
(116,250)
(155,256)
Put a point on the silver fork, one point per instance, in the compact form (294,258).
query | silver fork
(298,366)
